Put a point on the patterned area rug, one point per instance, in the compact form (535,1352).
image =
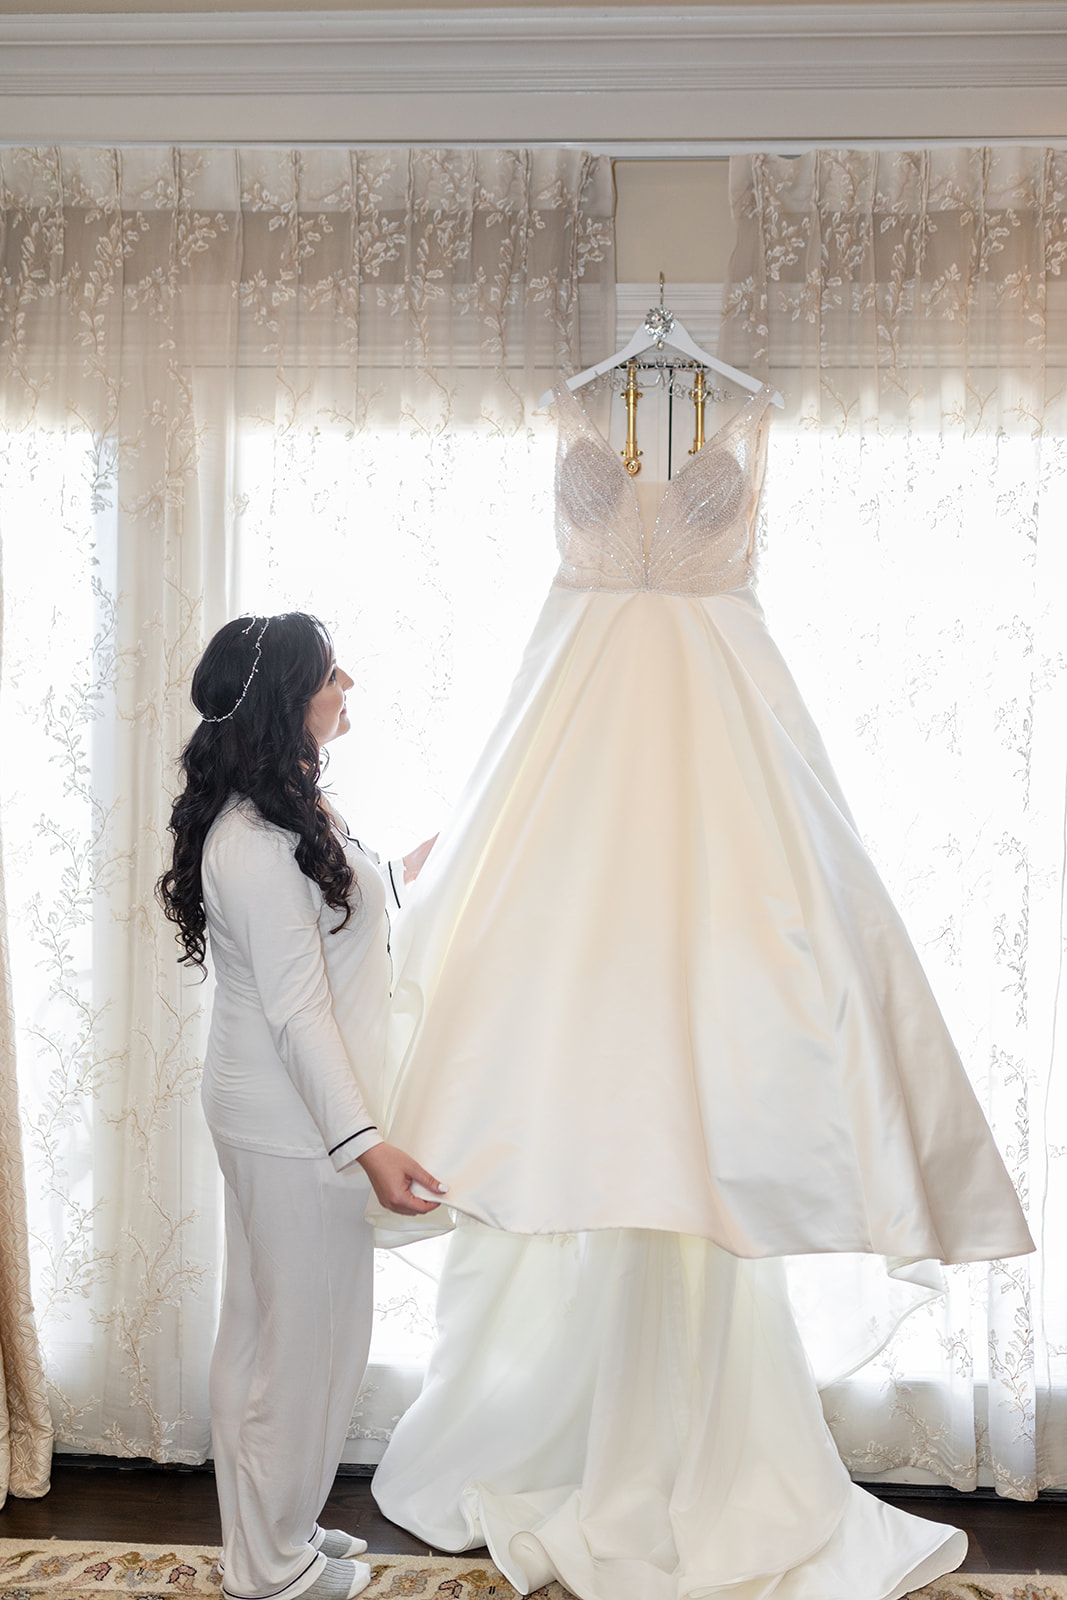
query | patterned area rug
(68,1569)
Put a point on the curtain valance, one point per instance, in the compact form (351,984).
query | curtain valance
(416,259)
(868,281)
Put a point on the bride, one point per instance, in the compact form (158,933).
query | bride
(652,953)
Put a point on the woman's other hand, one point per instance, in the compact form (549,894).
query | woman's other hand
(415,860)
(392,1172)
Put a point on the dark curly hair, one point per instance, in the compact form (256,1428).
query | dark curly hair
(262,752)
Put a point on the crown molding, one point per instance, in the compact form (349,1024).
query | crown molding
(545,72)
(593,50)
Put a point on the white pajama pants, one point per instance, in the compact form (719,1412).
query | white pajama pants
(289,1359)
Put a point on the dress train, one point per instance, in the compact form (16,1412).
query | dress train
(632,1413)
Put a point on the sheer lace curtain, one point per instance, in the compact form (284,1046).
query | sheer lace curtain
(912,308)
(240,379)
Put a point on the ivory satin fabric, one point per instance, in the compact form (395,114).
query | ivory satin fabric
(657,1025)
(632,1412)
(649,977)
(669,1025)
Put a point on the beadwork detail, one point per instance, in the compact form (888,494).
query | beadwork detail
(702,539)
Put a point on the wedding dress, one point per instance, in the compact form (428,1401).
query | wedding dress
(656,1025)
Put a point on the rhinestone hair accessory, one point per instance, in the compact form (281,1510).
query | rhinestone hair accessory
(255,663)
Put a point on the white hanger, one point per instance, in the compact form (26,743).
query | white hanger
(662,327)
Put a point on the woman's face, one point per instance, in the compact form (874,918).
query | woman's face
(326,717)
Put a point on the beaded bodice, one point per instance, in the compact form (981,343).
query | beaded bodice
(703,537)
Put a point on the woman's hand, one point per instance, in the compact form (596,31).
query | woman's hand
(415,859)
(392,1172)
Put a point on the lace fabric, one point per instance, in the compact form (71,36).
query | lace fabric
(702,540)
(912,308)
(214,362)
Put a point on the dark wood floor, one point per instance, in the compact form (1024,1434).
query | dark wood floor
(109,1500)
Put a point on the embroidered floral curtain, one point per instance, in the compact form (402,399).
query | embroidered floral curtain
(233,379)
(912,308)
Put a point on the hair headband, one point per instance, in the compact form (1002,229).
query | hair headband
(255,663)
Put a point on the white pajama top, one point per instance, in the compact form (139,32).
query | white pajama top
(299,1014)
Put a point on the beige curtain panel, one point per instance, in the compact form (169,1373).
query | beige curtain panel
(912,308)
(25,1423)
(215,366)
(926,287)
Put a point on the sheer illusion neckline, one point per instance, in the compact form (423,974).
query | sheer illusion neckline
(742,414)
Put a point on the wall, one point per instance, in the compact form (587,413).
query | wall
(672,217)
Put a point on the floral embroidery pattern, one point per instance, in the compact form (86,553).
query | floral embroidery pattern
(186,336)
(912,307)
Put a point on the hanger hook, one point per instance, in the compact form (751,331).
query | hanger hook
(661,286)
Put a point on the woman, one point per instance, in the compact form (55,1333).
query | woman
(295,913)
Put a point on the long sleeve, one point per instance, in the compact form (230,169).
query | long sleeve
(270,913)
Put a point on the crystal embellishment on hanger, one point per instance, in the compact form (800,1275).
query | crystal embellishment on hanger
(659,323)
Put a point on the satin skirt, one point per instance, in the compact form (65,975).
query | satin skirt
(633,1414)
(649,977)
(658,1027)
